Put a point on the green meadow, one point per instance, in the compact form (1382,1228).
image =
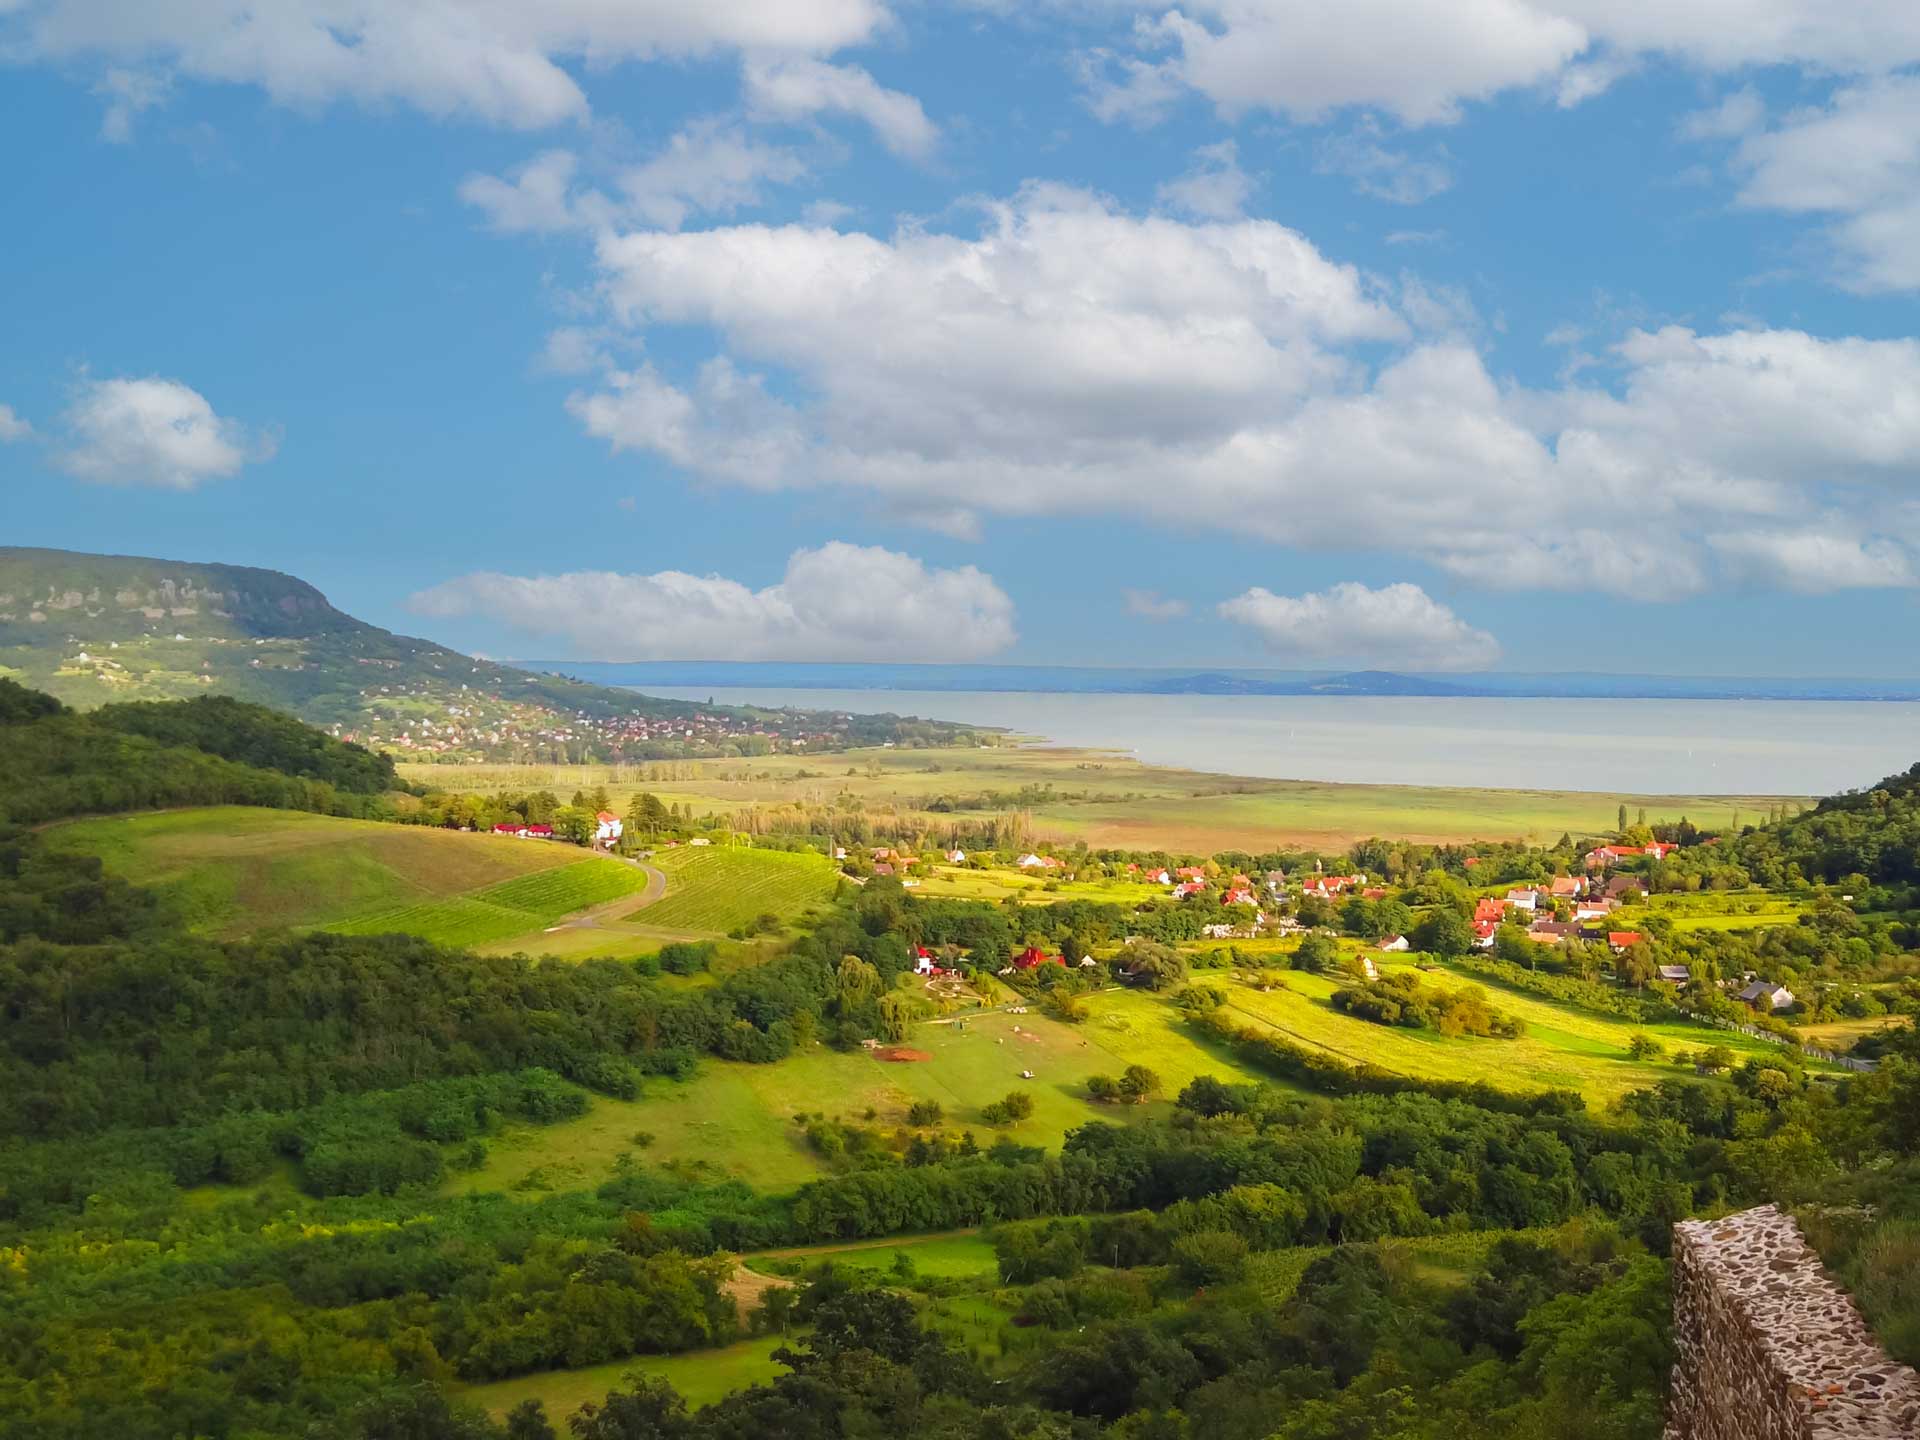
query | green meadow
(702,1376)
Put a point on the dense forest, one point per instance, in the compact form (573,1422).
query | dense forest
(224,1208)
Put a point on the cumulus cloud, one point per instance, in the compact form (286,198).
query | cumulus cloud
(1856,159)
(154,432)
(1737,114)
(1815,562)
(1071,358)
(12,426)
(1213,188)
(837,602)
(1422,61)
(1398,626)
(799,89)
(503,64)
(1151,605)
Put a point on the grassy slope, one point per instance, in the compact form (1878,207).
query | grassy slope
(234,869)
(1128,803)
(720,888)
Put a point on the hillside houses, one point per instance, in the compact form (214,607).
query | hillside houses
(1605,857)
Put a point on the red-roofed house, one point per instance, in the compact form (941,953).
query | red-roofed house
(1237,897)
(1189,887)
(607,828)
(1032,958)
(1488,911)
(1618,940)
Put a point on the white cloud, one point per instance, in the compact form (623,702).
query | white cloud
(1381,172)
(129,94)
(1815,562)
(154,432)
(798,89)
(1151,605)
(1422,61)
(500,63)
(1214,186)
(711,166)
(573,350)
(1073,359)
(1857,159)
(839,602)
(12,426)
(1737,114)
(1310,58)
(537,198)
(1397,626)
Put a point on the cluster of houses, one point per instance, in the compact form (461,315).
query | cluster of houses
(1538,907)
(607,830)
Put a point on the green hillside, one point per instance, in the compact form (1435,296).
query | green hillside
(91,629)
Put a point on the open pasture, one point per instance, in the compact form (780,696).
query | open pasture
(1105,798)
(231,870)
(956,1255)
(735,1120)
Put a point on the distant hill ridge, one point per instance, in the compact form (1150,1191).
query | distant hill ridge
(93,629)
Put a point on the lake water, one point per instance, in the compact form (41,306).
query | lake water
(1651,747)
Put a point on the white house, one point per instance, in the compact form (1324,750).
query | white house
(607,828)
(1526,900)
(956,857)
(1395,943)
(1676,975)
(1760,995)
(1368,968)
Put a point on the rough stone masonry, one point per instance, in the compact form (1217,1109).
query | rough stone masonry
(1767,1347)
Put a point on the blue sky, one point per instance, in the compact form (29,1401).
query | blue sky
(1533,334)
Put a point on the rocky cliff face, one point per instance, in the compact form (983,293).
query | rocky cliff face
(1769,1348)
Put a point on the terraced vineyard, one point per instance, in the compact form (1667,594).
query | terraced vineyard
(723,888)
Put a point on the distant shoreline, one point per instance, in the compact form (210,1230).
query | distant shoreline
(1089,680)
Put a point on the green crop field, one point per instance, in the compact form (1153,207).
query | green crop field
(231,870)
(721,888)
(702,1376)
(1108,799)
(1563,1048)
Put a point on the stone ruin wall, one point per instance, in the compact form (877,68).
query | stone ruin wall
(1767,1347)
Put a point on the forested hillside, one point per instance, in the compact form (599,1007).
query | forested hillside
(92,629)
(233,1198)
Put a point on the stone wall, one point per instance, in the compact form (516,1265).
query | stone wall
(1767,1347)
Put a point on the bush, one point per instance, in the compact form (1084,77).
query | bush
(1210,1257)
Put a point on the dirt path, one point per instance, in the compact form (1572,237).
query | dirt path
(596,915)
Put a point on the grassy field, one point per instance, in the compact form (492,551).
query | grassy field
(959,1255)
(718,889)
(1840,1035)
(956,882)
(514,907)
(702,1376)
(234,869)
(1112,800)
(1711,911)
(1563,1048)
(736,1120)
